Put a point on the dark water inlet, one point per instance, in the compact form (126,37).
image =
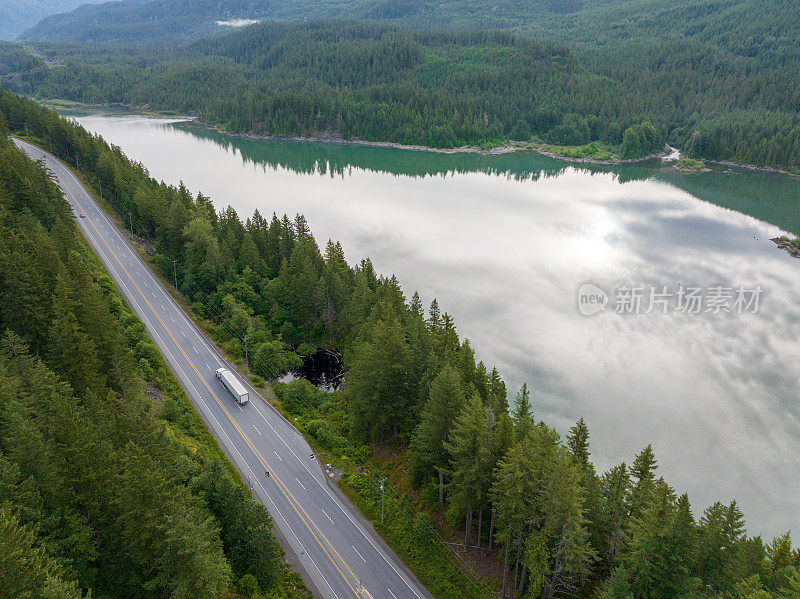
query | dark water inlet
(323,369)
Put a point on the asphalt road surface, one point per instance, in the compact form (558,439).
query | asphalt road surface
(341,557)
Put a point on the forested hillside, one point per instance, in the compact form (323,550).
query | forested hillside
(169,21)
(382,83)
(469,461)
(109,484)
(591,22)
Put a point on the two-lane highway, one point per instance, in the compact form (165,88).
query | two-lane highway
(339,555)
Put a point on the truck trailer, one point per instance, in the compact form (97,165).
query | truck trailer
(233,385)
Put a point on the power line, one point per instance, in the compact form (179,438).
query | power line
(190,285)
(46,63)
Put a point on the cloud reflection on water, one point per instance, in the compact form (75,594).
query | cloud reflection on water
(504,245)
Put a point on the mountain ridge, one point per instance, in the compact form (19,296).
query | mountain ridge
(17,16)
(592,22)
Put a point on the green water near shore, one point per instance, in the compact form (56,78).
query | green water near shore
(505,243)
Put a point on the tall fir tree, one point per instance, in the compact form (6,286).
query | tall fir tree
(470,450)
(522,413)
(378,386)
(428,453)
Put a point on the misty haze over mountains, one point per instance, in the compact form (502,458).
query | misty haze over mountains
(18,15)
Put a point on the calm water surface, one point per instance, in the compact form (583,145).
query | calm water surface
(505,243)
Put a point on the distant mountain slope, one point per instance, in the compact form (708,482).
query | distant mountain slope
(381,82)
(737,24)
(18,15)
(720,78)
(178,20)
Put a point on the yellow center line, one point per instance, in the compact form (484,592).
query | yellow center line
(286,493)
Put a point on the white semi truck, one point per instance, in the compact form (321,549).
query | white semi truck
(233,385)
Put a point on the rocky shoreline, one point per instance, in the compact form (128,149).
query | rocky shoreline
(788,245)
(753,167)
(585,160)
(668,154)
(506,149)
(496,151)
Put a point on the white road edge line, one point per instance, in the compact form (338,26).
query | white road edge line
(342,508)
(187,378)
(210,412)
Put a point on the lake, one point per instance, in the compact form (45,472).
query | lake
(693,343)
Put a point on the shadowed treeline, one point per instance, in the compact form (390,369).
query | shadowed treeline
(769,197)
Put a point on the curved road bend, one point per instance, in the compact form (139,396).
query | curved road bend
(338,554)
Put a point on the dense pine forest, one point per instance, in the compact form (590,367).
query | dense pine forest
(744,26)
(110,486)
(466,458)
(700,90)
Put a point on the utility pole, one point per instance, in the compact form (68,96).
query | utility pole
(246,363)
(130,219)
(383,480)
(175,270)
